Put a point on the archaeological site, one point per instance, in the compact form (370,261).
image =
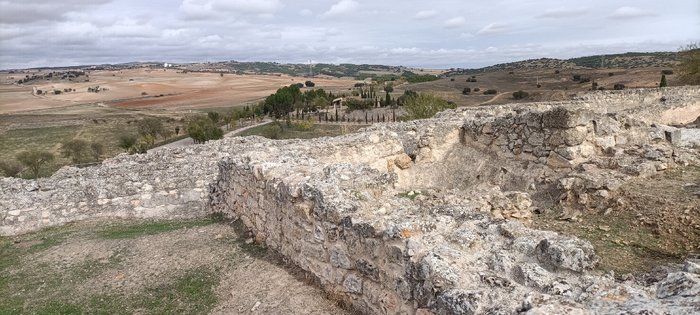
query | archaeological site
(431,216)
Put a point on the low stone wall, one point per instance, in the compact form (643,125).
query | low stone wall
(165,184)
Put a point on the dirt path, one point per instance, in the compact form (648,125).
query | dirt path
(186,267)
(495,98)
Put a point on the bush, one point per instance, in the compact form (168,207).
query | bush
(619,86)
(10,168)
(477,89)
(303,125)
(80,151)
(557,72)
(667,72)
(452,79)
(425,106)
(203,129)
(610,74)
(490,92)
(309,84)
(663,82)
(584,80)
(466,91)
(355,104)
(34,160)
(520,95)
(577,77)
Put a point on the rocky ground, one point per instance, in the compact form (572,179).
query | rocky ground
(185,267)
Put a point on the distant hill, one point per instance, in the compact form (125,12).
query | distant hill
(630,60)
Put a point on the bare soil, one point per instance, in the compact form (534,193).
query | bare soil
(153,89)
(126,267)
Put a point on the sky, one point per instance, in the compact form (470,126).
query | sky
(430,34)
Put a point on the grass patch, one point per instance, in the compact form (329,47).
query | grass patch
(192,293)
(48,288)
(409,194)
(151,228)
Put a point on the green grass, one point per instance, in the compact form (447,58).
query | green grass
(408,195)
(48,288)
(281,131)
(151,228)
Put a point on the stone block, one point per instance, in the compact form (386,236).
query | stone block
(555,160)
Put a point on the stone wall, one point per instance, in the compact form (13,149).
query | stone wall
(172,183)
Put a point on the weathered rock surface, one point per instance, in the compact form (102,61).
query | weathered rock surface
(418,217)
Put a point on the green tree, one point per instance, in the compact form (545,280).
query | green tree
(425,106)
(387,101)
(34,160)
(215,117)
(663,82)
(689,66)
(203,129)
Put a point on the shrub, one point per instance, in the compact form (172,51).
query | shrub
(667,72)
(619,86)
(80,151)
(477,89)
(490,92)
(577,77)
(663,82)
(520,95)
(584,80)
(610,74)
(425,106)
(466,91)
(557,72)
(10,168)
(452,79)
(309,84)
(203,129)
(35,160)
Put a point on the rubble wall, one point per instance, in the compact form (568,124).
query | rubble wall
(163,184)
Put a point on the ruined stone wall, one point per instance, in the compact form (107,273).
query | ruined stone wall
(171,183)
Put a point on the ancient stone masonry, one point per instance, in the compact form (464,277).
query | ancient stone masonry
(421,217)
(172,184)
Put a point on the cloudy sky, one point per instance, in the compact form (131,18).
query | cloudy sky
(451,33)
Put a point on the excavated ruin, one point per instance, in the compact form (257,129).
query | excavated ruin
(420,217)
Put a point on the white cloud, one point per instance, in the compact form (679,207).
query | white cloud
(342,7)
(493,28)
(209,9)
(426,14)
(455,22)
(559,13)
(630,13)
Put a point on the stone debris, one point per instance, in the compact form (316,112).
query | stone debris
(420,217)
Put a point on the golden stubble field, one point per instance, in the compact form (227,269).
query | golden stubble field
(151,89)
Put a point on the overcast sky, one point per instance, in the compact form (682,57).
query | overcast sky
(450,33)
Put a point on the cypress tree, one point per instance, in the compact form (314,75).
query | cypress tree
(663,81)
